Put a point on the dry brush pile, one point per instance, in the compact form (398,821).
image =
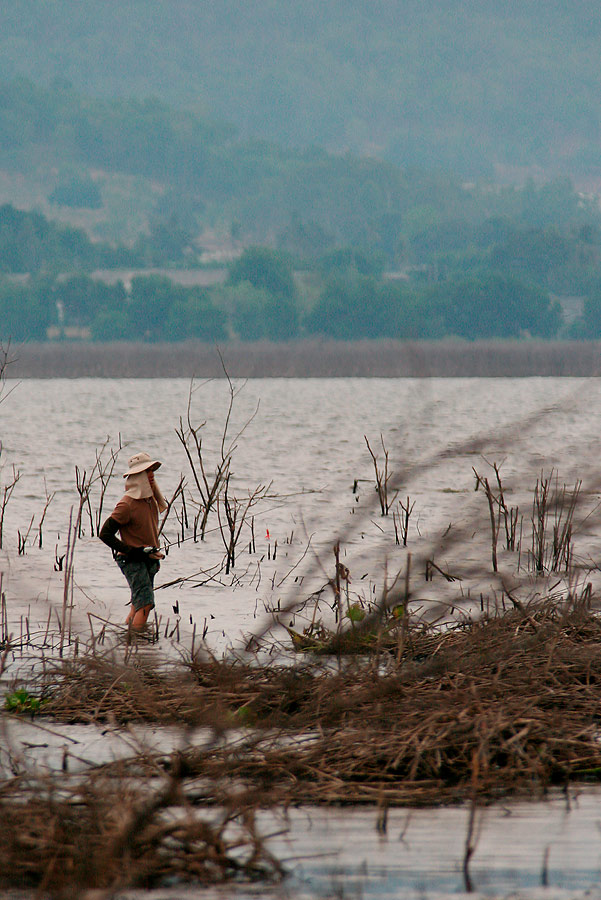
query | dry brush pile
(107,832)
(508,705)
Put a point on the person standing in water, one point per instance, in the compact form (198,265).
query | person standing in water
(136,518)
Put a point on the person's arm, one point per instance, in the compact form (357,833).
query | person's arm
(108,535)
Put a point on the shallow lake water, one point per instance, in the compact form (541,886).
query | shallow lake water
(547,849)
(303,442)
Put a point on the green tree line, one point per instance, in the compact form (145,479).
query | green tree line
(31,243)
(263,299)
(496,264)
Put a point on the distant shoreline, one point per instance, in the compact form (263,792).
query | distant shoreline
(308,359)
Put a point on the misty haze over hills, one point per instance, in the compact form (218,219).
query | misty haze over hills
(408,170)
(473,86)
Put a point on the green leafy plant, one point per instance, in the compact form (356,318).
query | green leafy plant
(22,701)
(355,613)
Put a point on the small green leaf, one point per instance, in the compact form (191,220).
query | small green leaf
(355,613)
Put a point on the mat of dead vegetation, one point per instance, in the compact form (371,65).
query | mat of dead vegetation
(505,706)
(502,705)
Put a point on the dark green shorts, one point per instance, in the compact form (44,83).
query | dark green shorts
(140,577)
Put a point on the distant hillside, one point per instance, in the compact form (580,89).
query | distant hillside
(157,180)
(474,86)
(184,174)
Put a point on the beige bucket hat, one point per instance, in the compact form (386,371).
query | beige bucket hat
(140,462)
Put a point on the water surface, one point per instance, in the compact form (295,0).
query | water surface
(303,441)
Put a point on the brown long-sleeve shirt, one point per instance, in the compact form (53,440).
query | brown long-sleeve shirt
(138,521)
